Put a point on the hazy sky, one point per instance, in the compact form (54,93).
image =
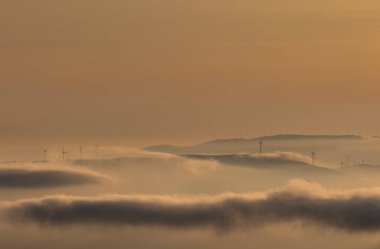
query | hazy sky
(148,71)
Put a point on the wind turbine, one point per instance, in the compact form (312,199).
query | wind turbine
(45,151)
(64,153)
(80,152)
(313,157)
(261,146)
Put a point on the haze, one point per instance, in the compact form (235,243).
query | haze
(140,72)
(189,124)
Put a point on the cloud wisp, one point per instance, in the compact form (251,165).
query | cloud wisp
(138,157)
(349,211)
(267,158)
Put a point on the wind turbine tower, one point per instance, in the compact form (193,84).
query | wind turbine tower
(313,157)
(64,153)
(45,151)
(80,152)
(261,146)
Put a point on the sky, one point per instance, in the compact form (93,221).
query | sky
(145,72)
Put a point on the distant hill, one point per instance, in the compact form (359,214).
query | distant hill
(311,137)
(290,137)
(277,167)
(267,161)
(240,145)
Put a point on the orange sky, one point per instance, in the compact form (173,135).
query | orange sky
(148,71)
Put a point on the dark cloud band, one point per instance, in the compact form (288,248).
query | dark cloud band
(25,178)
(356,213)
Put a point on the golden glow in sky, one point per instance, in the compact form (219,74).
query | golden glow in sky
(149,70)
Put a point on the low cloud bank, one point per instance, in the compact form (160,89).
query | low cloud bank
(30,176)
(267,159)
(301,201)
(139,158)
(284,156)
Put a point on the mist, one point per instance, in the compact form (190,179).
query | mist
(224,192)
(189,124)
